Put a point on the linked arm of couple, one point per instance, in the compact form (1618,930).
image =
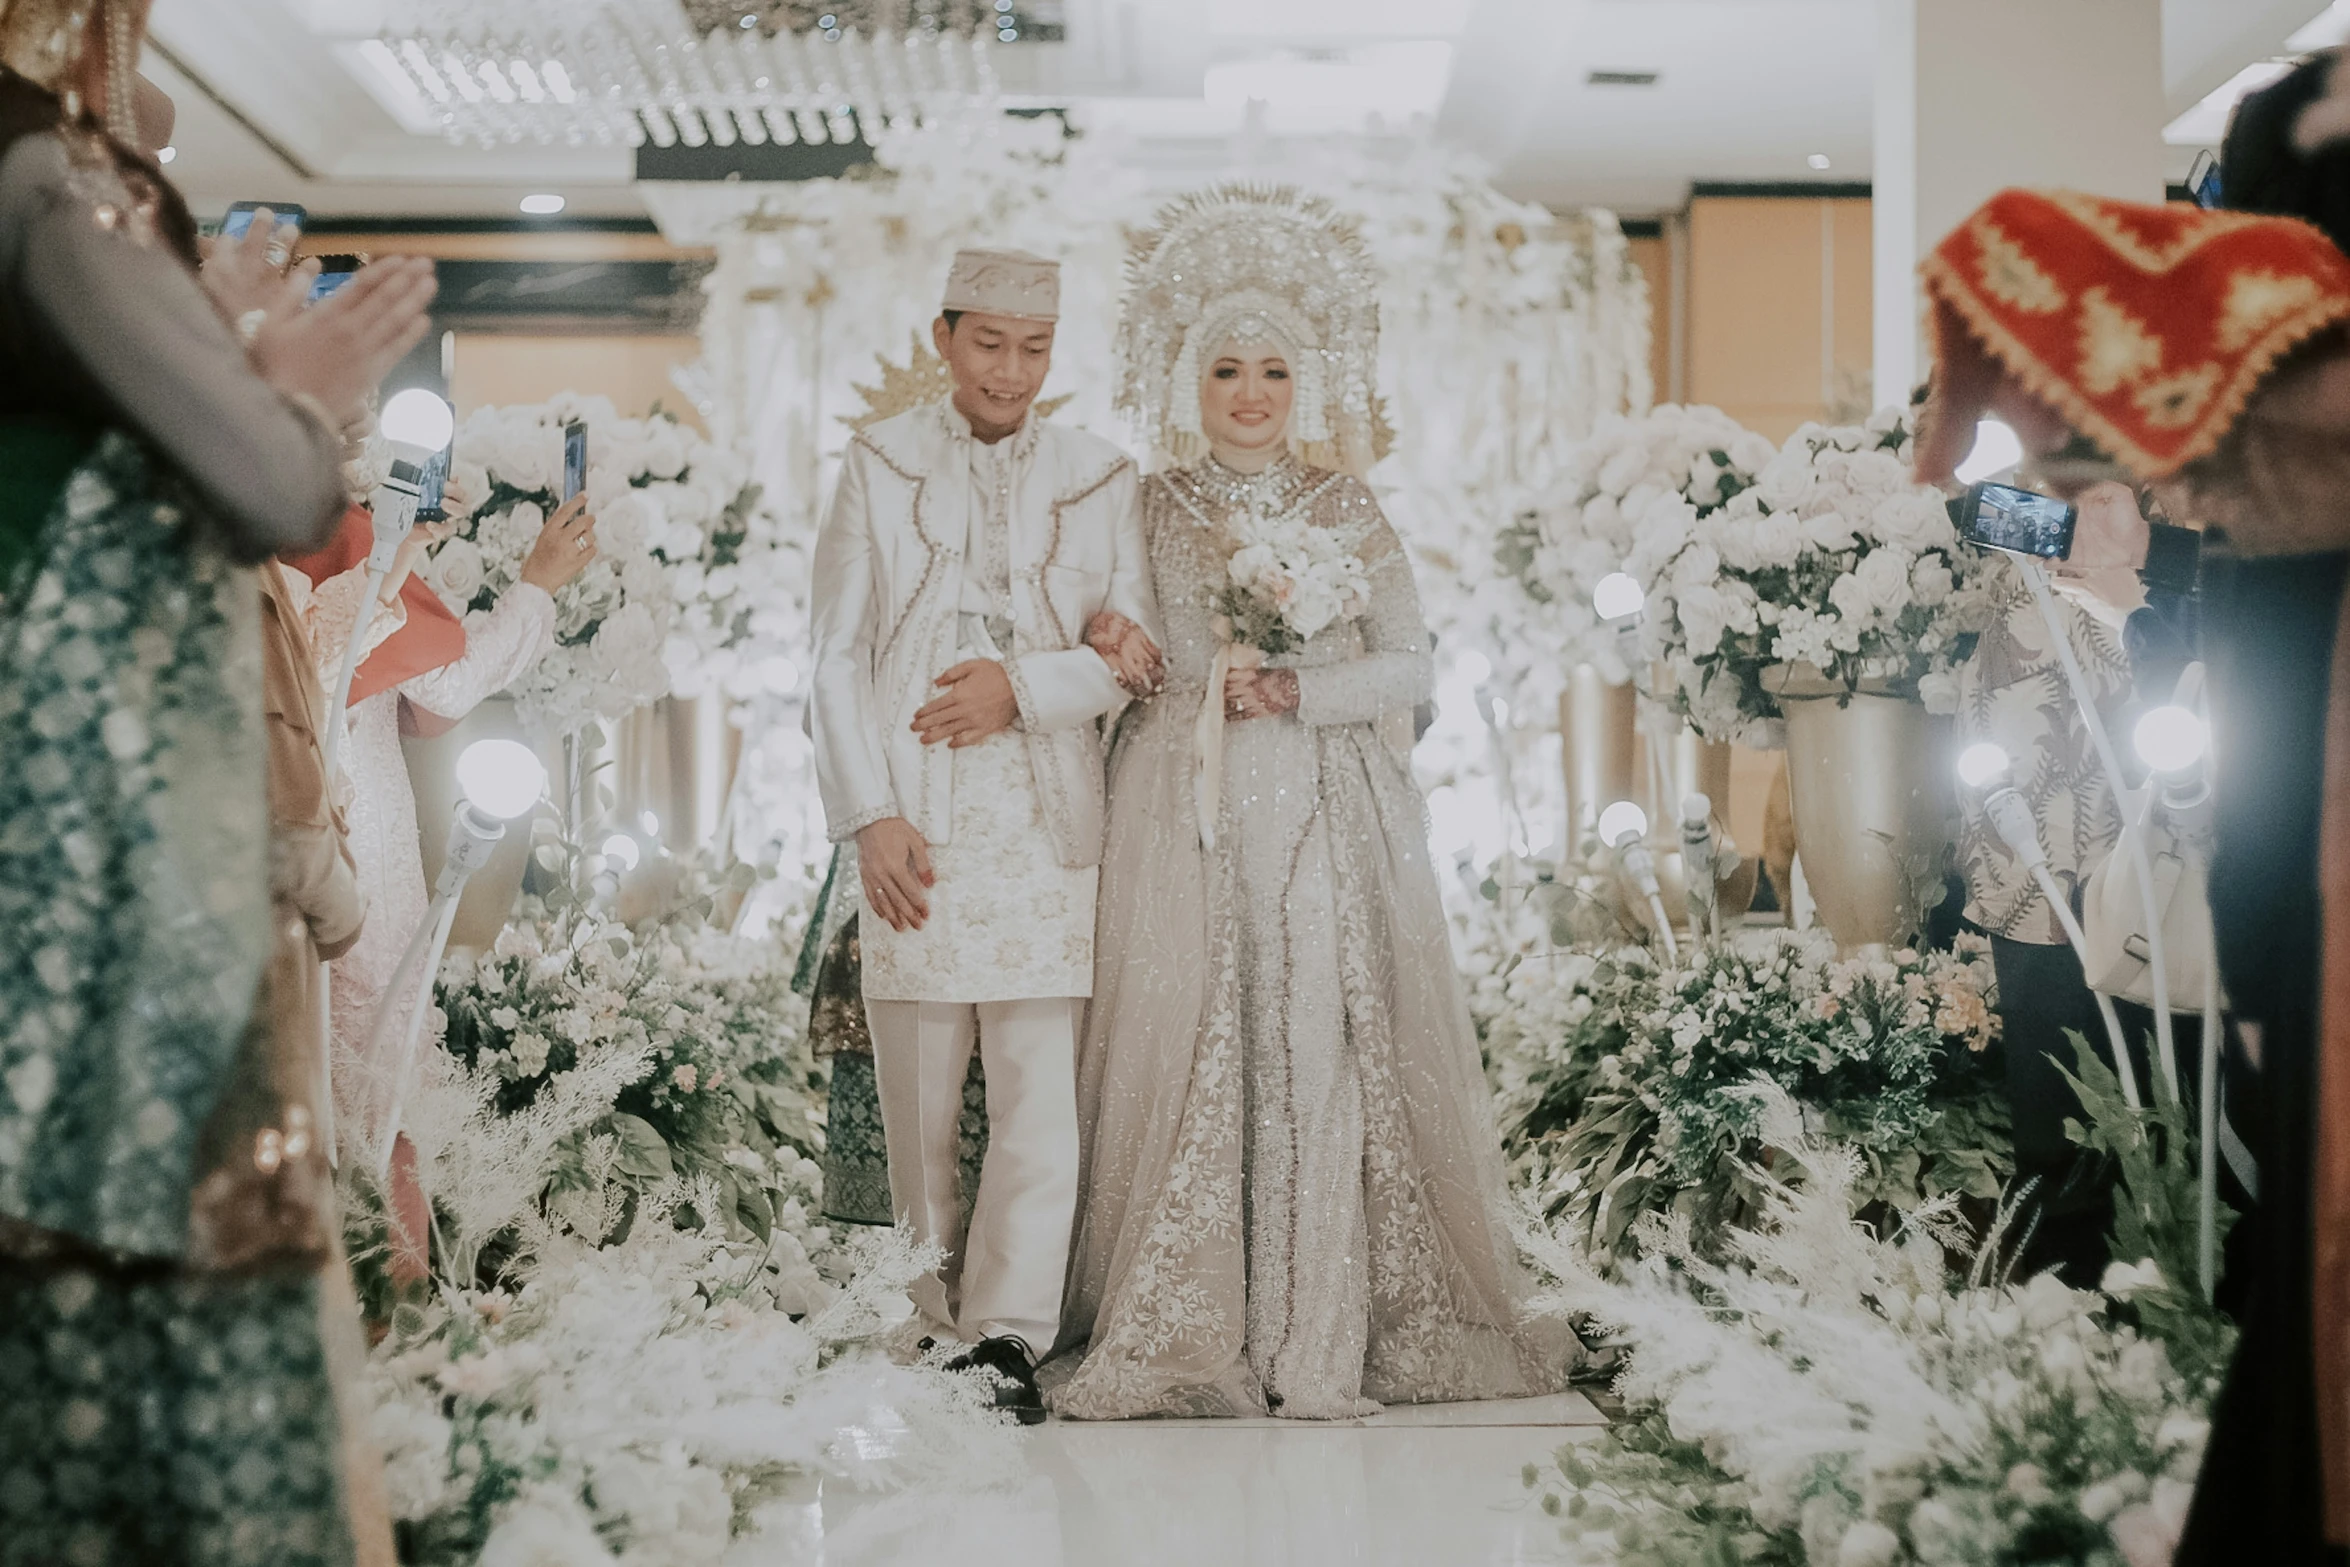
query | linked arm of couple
(860,616)
(1045,691)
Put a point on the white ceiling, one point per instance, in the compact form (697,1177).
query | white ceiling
(276,101)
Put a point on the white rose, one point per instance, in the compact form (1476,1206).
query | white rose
(1915,519)
(1884,575)
(687,504)
(1704,617)
(1930,581)
(1868,1544)
(1253,565)
(1700,563)
(1787,482)
(623,527)
(525,454)
(1623,468)
(1938,690)
(1751,453)
(1828,531)
(457,572)
(642,580)
(628,635)
(1603,516)
(664,450)
(471,478)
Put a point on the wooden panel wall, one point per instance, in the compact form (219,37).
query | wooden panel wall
(1779,325)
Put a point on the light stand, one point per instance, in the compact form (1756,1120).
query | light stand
(501,780)
(1697,866)
(1983,765)
(2173,740)
(2166,1053)
(1623,827)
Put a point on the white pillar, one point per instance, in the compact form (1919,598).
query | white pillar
(1974,96)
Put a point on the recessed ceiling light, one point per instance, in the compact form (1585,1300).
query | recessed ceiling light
(1621,79)
(1820,160)
(166,154)
(542,206)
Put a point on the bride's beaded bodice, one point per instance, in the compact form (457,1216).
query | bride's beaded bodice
(1188,514)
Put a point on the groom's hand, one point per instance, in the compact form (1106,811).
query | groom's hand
(978,704)
(894,863)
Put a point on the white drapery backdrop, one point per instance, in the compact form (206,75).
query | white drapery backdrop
(1507,330)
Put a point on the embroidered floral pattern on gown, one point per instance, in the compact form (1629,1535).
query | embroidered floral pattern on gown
(1294,1192)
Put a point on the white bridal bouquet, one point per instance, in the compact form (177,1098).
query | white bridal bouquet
(1289,581)
(1831,558)
(1651,475)
(675,516)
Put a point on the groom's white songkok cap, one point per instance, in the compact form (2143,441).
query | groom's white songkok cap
(1004,283)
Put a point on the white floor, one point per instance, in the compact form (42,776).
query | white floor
(1412,1487)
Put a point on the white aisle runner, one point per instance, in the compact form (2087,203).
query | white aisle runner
(1416,1486)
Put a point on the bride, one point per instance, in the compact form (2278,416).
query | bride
(1293,1195)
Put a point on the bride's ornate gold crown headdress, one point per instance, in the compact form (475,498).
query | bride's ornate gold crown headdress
(1251,264)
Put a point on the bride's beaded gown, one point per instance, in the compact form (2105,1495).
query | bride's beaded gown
(1293,1192)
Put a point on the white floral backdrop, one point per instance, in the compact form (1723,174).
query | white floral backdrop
(1507,333)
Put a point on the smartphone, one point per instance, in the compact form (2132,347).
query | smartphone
(2174,558)
(2002,517)
(2203,187)
(240,217)
(430,489)
(574,458)
(333,273)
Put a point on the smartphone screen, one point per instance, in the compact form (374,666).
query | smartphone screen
(430,489)
(326,283)
(240,216)
(2174,558)
(2002,517)
(574,459)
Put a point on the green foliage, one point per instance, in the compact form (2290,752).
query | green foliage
(1626,1085)
(2156,1202)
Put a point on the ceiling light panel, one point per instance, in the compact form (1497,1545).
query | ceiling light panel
(1363,19)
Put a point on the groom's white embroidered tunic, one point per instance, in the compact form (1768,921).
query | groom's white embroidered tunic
(940,548)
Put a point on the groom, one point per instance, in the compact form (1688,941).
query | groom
(956,717)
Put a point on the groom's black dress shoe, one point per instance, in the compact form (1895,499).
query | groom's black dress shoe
(1014,1363)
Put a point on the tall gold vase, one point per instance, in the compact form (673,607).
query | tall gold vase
(1599,745)
(1866,778)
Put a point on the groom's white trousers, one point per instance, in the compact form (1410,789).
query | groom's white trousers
(1006,1276)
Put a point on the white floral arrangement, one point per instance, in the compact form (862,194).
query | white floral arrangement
(641,1330)
(1289,581)
(1833,558)
(642,1400)
(1651,476)
(673,512)
(1828,1396)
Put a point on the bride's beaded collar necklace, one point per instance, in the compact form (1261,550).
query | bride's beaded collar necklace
(1212,492)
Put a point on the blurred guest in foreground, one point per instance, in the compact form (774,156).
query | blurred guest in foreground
(2206,352)
(164,1344)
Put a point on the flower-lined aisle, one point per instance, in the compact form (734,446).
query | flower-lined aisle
(1784,1180)
(1832,1394)
(639,1333)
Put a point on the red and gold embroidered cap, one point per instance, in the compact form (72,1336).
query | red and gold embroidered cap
(2146,327)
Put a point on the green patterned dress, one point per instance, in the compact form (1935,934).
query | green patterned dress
(150,1413)
(831,975)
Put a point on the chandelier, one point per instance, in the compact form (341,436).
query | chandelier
(702,72)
